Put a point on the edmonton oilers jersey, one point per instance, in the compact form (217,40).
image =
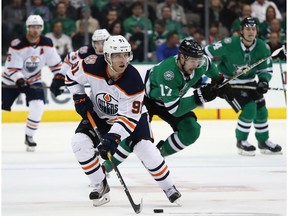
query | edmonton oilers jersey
(26,60)
(118,102)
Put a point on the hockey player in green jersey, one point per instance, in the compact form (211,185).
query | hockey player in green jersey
(237,53)
(166,84)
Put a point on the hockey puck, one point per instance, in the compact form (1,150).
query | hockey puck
(158,210)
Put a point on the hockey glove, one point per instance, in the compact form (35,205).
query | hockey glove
(226,92)
(83,104)
(57,82)
(22,85)
(262,86)
(110,144)
(205,94)
(198,84)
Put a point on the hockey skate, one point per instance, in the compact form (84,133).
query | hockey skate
(245,148)
(100,194)
(173,195)
(269,147)
(30,143)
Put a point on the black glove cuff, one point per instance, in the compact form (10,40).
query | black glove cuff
(59,76)
(199,99)
(79,98)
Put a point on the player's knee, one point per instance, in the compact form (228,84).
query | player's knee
(189,131)
(262,113)
(249,111)
(82,146)
(37,106)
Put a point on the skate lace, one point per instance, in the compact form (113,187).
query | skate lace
(170,191)
(245,143)
(270,144)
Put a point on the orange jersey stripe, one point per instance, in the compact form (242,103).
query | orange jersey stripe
(160,173)
(91,165)
(130,124)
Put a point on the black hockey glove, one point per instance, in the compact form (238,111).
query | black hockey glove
(57,82)
(226,92)
(205,94)
(22,85)
(110,144)
(262,86)
(83,104)
(198,84)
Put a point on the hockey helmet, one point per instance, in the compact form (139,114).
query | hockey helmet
(100,34)
(248,22)
(117,44)
(33,20)
(191,48)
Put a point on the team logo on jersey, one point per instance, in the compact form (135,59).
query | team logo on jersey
(83,50)
(227,40)
(169,75)
(31,64)
(91,59)
(107,104)
(15,42)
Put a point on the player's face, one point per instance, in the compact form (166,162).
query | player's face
(191,64)
(34,31)
(120,61)
(249,33)
(98,46)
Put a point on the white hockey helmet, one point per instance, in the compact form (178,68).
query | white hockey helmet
(117,44)
(33,20)
(100,34)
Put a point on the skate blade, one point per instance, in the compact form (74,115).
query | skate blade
(268,152)
(30,148)
(178,202)
(98,202)
(246,153)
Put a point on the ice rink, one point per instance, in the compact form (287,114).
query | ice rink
(213,179)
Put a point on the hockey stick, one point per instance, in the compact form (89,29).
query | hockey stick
(137,207)
(254,88)
(39,87)
(31,86)
(283,79)
(275,53)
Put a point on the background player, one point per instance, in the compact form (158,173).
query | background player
(116,99)
(26,57)
(96,47)
(237,53)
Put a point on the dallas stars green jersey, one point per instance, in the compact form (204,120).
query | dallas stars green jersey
(167,84)
(235,57)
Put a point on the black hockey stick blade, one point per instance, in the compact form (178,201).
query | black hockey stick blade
(136,207)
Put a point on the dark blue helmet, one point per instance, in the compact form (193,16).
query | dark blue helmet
(191,48)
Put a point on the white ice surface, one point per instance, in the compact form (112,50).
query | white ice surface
(213,179)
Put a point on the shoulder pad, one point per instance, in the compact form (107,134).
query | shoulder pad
(45,41)
(91,59)
(86,51)
(15,42)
